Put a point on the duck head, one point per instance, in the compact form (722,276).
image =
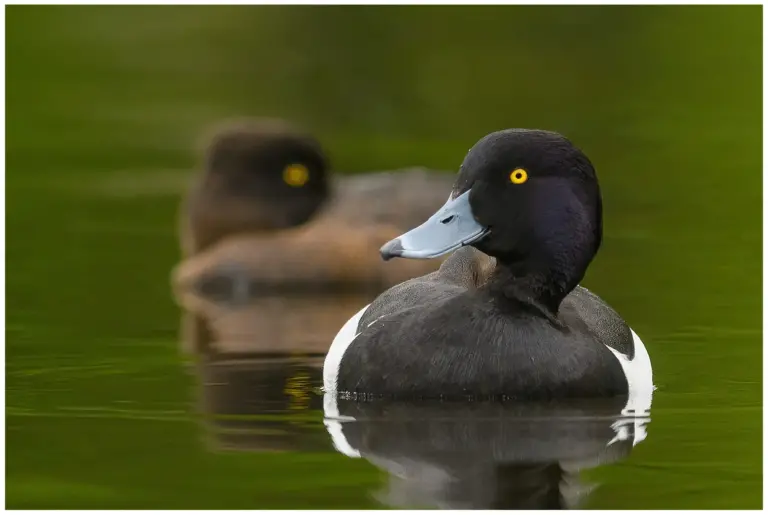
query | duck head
(272,165)
(530,199)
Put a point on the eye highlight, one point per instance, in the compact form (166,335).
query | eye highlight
(296,175)
(518,176)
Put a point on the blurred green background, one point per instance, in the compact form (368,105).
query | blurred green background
(104,106)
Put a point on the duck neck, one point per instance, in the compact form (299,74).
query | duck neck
(537,282)
(551,258)
(535,290)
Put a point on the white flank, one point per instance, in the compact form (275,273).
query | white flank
(639,374)
(339,346)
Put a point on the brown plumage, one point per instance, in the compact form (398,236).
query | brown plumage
(244,215)
(241,190)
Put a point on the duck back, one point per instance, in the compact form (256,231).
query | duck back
(402,198)
(442,335)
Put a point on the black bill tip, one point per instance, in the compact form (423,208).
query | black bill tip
(392,249)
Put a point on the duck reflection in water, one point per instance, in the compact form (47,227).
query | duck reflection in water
(484,455)
(261,403)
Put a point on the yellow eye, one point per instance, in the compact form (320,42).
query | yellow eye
(518,176)
(296,175)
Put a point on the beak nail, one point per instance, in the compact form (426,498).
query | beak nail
(392,249)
